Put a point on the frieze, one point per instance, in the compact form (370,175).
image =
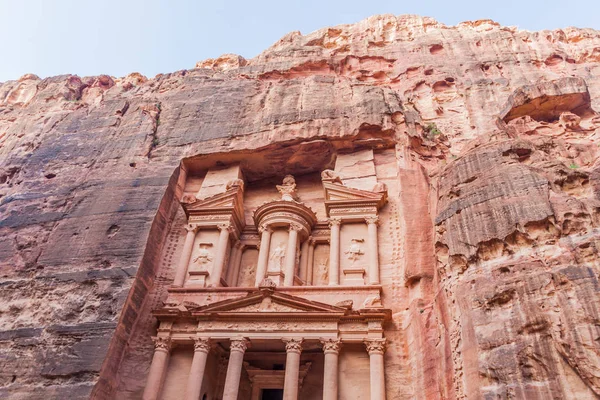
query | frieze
(266,326)
(353,211)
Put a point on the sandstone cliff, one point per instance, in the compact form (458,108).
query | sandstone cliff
(496,135)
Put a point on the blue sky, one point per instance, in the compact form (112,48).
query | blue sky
(116,37)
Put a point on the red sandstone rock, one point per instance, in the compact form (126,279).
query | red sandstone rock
(493,277)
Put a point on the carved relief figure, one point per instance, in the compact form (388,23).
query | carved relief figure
(288,189)
(329,175)
(204,256)
(277,256)
(354,252)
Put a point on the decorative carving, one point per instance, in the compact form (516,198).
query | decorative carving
(380,187)
(204,256)
(288,189)
(354,252)
(202,344)
(235,183)
(277,255)
(329,175)
(240,344)
(334,221)
(331,345)
(375,346)
(162,343)
(293,345)
(188,199)
(267,284)
(372,220)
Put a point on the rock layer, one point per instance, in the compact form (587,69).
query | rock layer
(496,288)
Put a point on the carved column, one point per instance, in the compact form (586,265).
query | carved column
(237,349)
(310,261)
(156,375)
(293,349)
(263,254)
(234,264)
(373,250)
(194,384)
(334,251)
(331,348)
(186,253)
(290,255)
(304,260)
(376,348)
(219,264)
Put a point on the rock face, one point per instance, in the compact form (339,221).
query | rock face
(495,287)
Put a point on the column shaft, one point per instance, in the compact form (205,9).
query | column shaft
(263,255)
(234,369)
(310,262)
(376,348)
(156,375)
(194,384)
(219,263)
(186,253)
(331,349)
(234,264)
(373,251)
(304,260)
(334,252)
(293,349)
(290,257)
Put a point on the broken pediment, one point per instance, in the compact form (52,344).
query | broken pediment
(227,204)
(342,198)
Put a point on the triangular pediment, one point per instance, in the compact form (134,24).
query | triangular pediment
(268,301)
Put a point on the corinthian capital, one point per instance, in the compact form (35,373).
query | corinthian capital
(162,343)
(202,344)
(295,227)
(225,226)
(375,346)
(372,220)
(191,228)
(265,228)
(238,344)
(293,345)
(331,345)
(334,221)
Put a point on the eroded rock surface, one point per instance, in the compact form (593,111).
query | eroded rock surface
(496,138)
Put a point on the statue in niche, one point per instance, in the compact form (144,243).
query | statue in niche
(323,270)
(288,189)
(247,275)
(204,256)
(354,252)
(278,255)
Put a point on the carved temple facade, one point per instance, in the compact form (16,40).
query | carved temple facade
(276,287)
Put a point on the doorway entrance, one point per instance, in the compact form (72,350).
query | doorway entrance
(271,394)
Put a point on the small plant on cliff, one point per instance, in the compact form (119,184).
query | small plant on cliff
(432,131)
(155,142)
(573,166)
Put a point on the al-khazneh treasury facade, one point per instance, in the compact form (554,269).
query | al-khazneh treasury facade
(276,291)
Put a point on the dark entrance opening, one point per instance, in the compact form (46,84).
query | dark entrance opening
(272,394)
